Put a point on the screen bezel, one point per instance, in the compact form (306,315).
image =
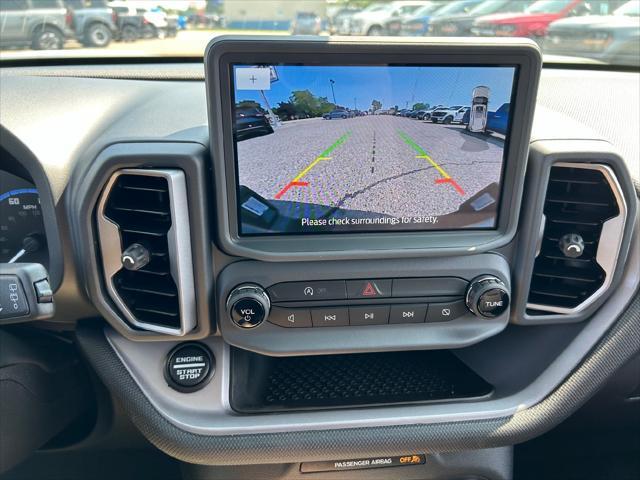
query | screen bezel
(225,51)
(496,217)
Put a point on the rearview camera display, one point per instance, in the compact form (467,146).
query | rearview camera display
(348,149)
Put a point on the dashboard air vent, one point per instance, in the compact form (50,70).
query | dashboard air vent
(147,209)
(584,215)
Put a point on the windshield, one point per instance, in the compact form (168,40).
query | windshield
(374,7)
(488,7)
(631,9)
(427,9)
(548,6)
(457,7)
(56,30)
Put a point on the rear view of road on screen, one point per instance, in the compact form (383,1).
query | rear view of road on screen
(374,169)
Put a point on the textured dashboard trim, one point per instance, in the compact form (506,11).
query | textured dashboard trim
(85,188)
(544,155)
(612,351)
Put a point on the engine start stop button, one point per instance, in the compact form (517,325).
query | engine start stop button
(189,367)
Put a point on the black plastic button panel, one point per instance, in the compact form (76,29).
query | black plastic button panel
(367,315)
(301,291)
(290,317)
(445,312)
(368,289)
(330,317)
(13,301)
(408,313)
(429,287)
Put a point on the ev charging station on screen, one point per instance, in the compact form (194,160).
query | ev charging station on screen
(331,149)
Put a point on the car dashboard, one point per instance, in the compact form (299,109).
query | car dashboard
(215,349)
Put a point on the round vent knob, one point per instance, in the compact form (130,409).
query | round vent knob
(572,245)
(487,296)
(135,257)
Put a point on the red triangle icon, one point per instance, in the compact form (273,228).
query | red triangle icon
(369,290)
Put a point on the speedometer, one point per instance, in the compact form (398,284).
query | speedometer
(22,236)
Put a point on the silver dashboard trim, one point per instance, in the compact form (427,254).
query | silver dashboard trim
(179,242)
(610,239)
(208,411)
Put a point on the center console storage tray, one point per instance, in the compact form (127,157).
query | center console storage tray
(263,384)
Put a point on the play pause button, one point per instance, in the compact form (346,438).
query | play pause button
(408,313)
(378,315)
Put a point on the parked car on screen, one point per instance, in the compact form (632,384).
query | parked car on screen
(250,123)
(40,25)
(535,19)
(447,115)
(460,24)
(417,24)
(428,112)
(498,121)
(612,39)
(371,20)
(393,26)
(93,21)
(337,113)
(306,23)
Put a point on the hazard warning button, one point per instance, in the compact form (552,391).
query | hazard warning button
(368,288)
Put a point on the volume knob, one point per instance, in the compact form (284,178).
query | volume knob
(248,305)
(487,296)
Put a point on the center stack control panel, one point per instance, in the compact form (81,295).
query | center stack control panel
(299,308)
(368,301)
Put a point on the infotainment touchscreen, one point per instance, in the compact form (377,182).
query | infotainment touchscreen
(350,149)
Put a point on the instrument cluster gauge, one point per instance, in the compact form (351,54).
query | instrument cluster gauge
(22,234)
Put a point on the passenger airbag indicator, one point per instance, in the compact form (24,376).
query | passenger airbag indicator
(362,463)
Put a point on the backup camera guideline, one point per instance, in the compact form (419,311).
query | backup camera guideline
(367,161)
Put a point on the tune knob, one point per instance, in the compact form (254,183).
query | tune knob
(248,305)
(487,296)
(135,257)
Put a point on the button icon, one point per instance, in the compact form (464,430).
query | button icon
(330,317)
(370,290)
(378,315)
(445,312)
(290,318)
(379,288)
(408,313)
(308,291)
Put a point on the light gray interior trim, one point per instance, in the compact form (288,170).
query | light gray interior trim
(178,239)
(270,339)
(208,411)
(610,239)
